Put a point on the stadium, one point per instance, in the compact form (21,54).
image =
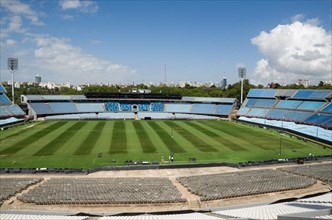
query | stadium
(142,155)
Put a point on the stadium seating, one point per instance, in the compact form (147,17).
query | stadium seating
(318,119)
(40,217)
(203,108)
(157,107)
(11,186)
(223,109)
(289,104)
(4,112)
(311,94)
(300,106)
(262,93)
(259,112)
(298,116)
(15,110)
(321,172)
(2,89)
(277,114)
(125,107)
(181,108)
(103,191)
(264,103)
(62,107)
(183,216)
(310,105)
(327,108)
(272,211)
(4,100)
(235,184)
(41,108)
(90,107)
(45,105)
(143,107)
(112,106)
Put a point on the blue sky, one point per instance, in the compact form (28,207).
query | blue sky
(80,41)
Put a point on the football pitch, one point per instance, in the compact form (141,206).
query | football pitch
(85,144)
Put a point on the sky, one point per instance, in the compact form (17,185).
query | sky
(118,42)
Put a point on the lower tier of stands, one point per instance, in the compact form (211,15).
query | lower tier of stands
(235,184)
(103,191)
(310,130)
(305,117)
(129,115)
(11,111)
(275,211)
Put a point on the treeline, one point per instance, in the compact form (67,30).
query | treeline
(232,91)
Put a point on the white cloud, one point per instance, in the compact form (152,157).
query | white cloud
(18,8)
(15,25)
(68,17)
(70,63)
(293,51)
(298,17)
(85,6)
(7,43)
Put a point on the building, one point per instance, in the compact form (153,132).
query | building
(37,79)
(304,82)
(224,83)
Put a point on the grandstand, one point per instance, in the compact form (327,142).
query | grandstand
(7,110)
(101,103)
(312,107)
(281,108)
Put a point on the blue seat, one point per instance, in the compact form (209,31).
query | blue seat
(318,119)
(15,110)
(125,107)
(312,94)
(264,102)
(183,108)
(311,105)
(277,114)
(143,107)
(327,109)
(157,107)
(224,109)
(90,107)
(112,106)
(263,93)
(203,108)
(40,108)
(289,104)
(4,100)
(62,107)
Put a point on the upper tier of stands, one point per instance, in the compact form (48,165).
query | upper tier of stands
(4,100)
(7,110)
(300,106)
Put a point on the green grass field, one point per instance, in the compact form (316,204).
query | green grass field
(84,144)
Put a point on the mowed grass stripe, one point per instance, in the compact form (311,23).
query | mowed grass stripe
(119,138)
(226,143)
(246,136)
(19,133)
(144,138)
(33,138)
(89,142)
(193,139)
(56,144)
(165,137)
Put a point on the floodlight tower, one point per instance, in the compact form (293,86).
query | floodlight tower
(12,67)
(242,74)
